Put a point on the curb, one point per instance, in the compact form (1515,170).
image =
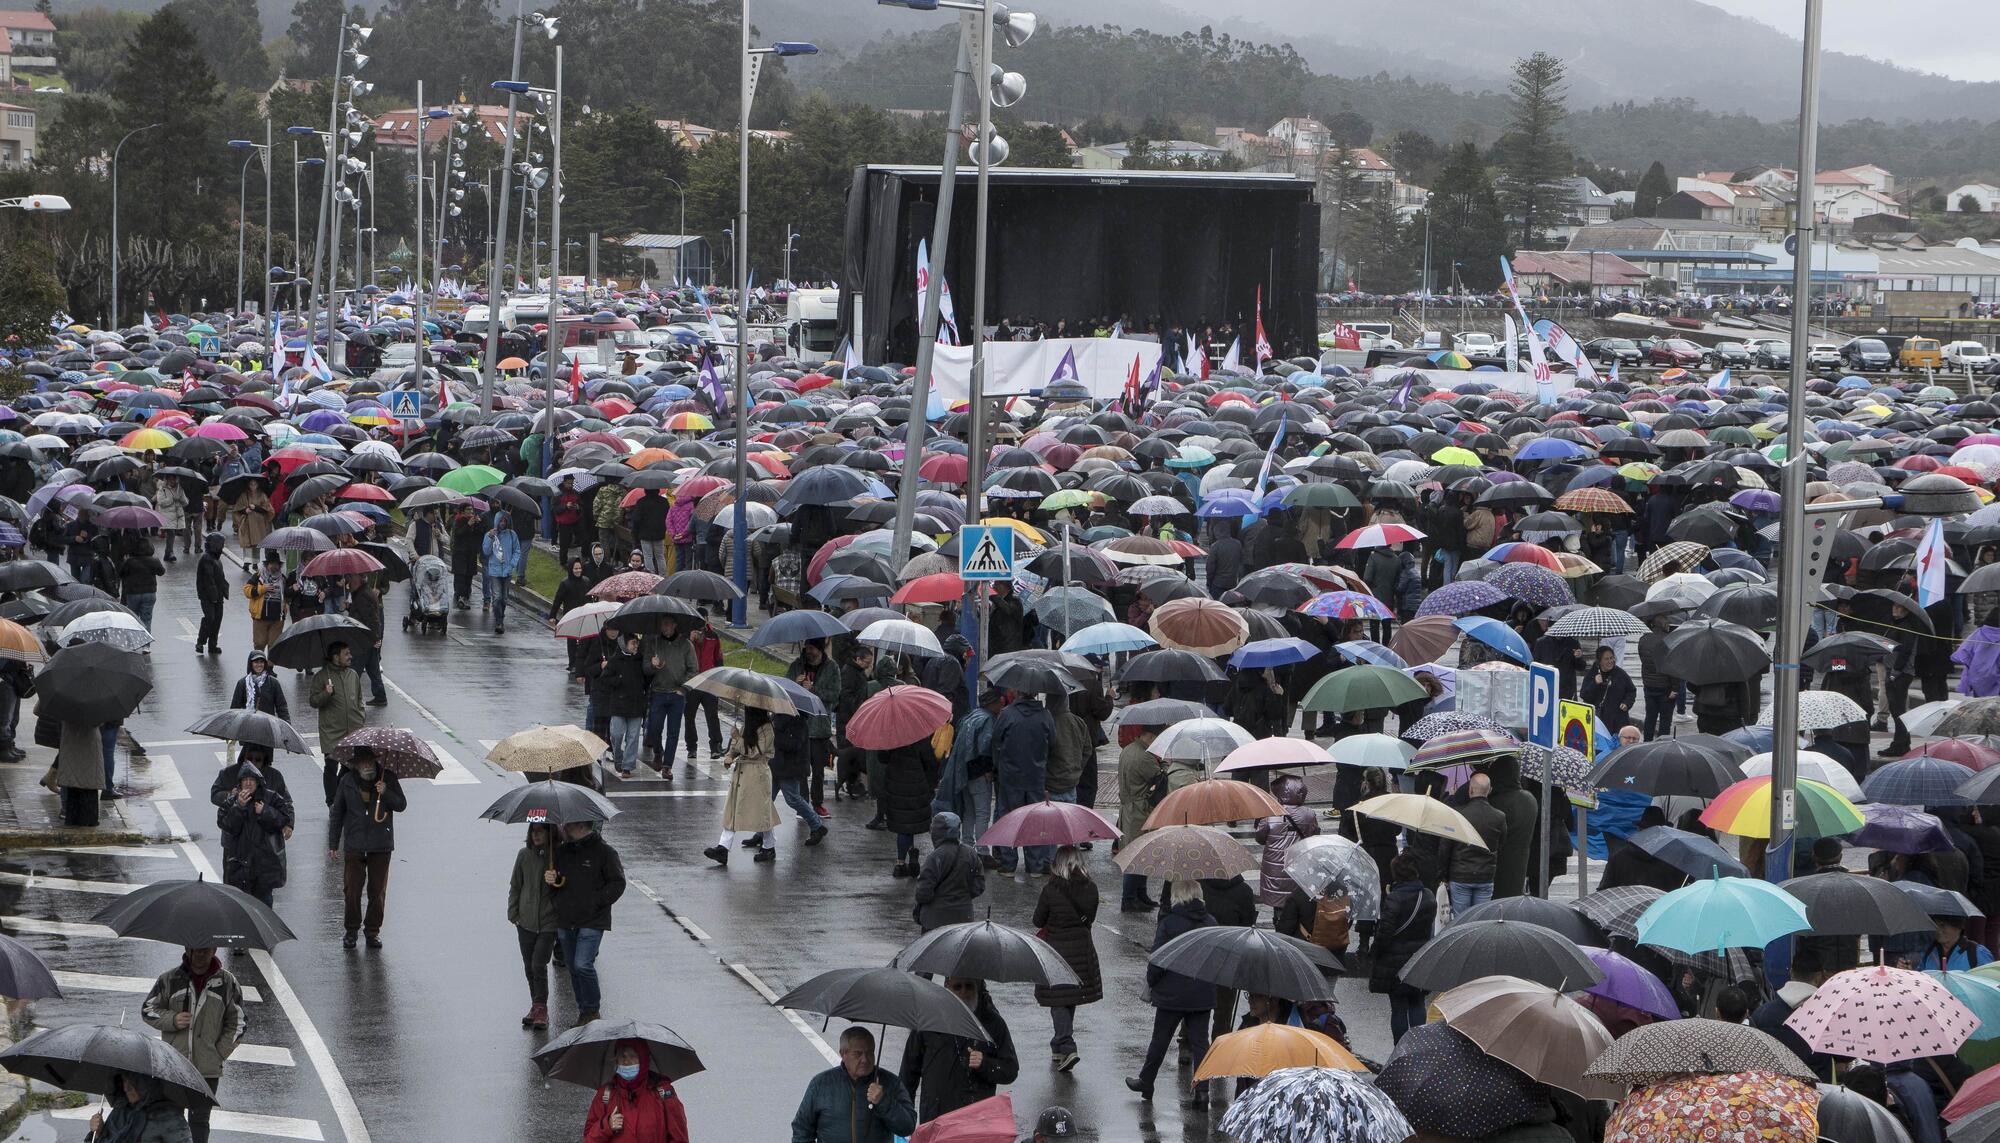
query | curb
(65,836)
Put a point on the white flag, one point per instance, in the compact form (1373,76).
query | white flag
(1932,556)
(1234,358)
(1513,343)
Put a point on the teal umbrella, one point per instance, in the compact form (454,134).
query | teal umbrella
(1980,995)
(1363,688)
(1722,913)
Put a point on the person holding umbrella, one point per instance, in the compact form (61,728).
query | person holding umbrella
(637,1105)
(140,1110)
(170,500)
(361,834)
(78,772)
(335,692)
(531,909)
(198,1008)
(948,1072)
(587,878)
(1179,1002)
(253,513)
(1064,914)
(256,818)
(855,1102)
(749,809)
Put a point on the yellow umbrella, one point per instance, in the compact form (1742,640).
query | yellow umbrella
(1452,454)
(1022,528)
(1265,1048)
(1423,814)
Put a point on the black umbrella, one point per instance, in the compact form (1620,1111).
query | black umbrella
(696,584)
(1844,904)
(885,996)
(1936,902)
(515,500)
(1712,651)
(88,1057)
(986,951)
(1170,666)
(1857,647)
(1251,960)
(1686,765)
(1444,1083)
(251,726)
(644,612)
(1029,677)
(28,575)
(395,567)
(75,609)
(1847,1116)
(304,644)
(92,683)
(195,914)
(1492,948)
(588,1055)
(1619,591)
(1981,1126)
(550,802)
(1690,853)
(23,973)
(1535,911)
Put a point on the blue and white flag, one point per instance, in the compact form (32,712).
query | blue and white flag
(316,365)
(1719,382)
(1234,358)
(1264,473)
(852,359)
(1614,371)
(1931,560)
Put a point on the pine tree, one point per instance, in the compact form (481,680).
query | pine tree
(315,36)
(1535,159)
(1654,188)
(1468,227)
(174,159)
(232,38)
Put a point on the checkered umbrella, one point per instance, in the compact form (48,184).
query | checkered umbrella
(1617,910)
(1460,746)
(1592,500)
(1531,584)
(1920,781)
(1819,710)
(1597,623)
(1679,556)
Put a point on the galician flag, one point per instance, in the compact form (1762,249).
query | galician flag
(1234,358)
(712,383)
(852,360)
(1264,472)
(1930,566)
(1720,381)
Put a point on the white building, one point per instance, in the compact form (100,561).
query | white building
(1985,194)
(1112,156)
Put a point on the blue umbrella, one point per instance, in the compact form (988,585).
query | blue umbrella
(1980,995)
(1722,913)
(1921,781)
(797,627)
(1496,635)
(1108,638)
(1369,651)
(1757,738)
(1275,653)
(1550,448)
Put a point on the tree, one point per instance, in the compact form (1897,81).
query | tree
(1969,204)
(231,39)
(615,169)
(1654,188)
(1039,146)
(30,293)
(90,43)
(1416,155)
(1350,127)
(315,36)
(1468,227)
(1535,159)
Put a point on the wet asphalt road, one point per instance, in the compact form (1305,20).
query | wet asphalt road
(421,1040)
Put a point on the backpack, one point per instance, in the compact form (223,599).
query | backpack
(788,735)
(1332,922)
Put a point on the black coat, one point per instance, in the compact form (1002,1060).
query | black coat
(270,698)
(590,878)
(934,1064)
(253,839)
(351,826)
(1409,913)
(1173,991)
(211,582)
(1230,900)
(649,517)
(621,683)
(1006,626)
(1613,697)
(1065,913)
(910,776)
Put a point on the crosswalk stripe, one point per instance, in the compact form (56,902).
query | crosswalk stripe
(40,881)
(670,793)
(106,982)
(270,1054)
(273,1126)
(454,772)
(55,928)
(167,777)
(150,851)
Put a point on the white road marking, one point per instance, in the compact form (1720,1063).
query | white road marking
(153,851)
(39,881)
(454,772)
(826,1050)
(669,793)
(56,928)
(104,982)
(648,892)
(274,1126)
(166,776)
(188,630)
(344,1108)
(271,1054)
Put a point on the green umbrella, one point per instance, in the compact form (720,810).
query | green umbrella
(471,479)
(1363,688)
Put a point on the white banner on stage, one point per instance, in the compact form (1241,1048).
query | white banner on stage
(1103,365)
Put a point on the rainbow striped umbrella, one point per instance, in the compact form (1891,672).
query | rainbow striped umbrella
(1744,809)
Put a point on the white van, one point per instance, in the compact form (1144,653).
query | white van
(1967,355)
(812,325)
(477,316)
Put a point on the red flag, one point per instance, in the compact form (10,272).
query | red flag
(1263,343)
(163,321)
(1345,336)
(575,380)
(1132,383)
(1202,359)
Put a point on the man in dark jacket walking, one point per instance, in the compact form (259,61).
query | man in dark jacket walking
(1023,735)
(856,1102)
(951,878)
(1469,869)
(649,528)
(361,834)
(211,588)
(1225,558)
(1007,623)
(364,605)
(948,1072)
(587,880)
(1808,973)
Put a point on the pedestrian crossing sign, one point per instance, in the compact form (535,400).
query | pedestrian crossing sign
(986,552)
(406,405)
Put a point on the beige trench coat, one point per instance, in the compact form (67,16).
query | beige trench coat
(748,807)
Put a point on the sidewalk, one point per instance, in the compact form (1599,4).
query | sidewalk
(31,817)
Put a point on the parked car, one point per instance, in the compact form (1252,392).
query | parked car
(1920,353)
(1477,344)
(1864,353)
(1971,355)
(1771,353)
(1676,352)
(1610,350)
(1823,355)
(1730,355)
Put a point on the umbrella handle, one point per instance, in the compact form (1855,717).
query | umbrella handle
(1948,1085)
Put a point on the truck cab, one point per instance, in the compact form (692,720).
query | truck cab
(812,325)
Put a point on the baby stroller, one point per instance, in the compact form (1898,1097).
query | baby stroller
(430,595)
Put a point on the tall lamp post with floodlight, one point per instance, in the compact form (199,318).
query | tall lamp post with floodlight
(752,65)
(547,24)
(263,151)
(115,258)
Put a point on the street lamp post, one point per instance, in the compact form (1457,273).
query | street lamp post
(257,151)
(752,64)
(242,206)
(512,86)
(682,232)
(791,238)
(1424,301)
(115,255)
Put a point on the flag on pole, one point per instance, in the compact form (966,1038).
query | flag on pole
(712,382)
(1132,383)
(1193,351)
(1263,345)
(1932,556)
(316,365)
(851,360)
(1234,358)
(947,319)
(1545,387)
(1346,336)
(1066,368)
(1118,329)
(1264,472)
(575,380)
(1614,371)
(1513,343)
(1720,381)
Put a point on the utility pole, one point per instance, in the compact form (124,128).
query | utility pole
(493,294)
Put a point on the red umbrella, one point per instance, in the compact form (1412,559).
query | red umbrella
(1049,823)
(991,1120)
(342,561)
(373,492)
(813,381)
(1977,1092)
(816,567)
(1958,750)
(897,716)
(288,459)
(944,468)
(940,587)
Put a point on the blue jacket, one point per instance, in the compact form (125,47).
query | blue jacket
(1022,737)
(502,549)
(835,1109)
(972,740)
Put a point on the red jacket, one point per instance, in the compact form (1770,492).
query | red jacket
(653,1115)
(707,651)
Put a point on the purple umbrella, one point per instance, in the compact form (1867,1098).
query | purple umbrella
(1631,985)
(129,518)
(42,496)
(1899,829)
(1462,597)
(319,422)
(1531,584)
(1757,500)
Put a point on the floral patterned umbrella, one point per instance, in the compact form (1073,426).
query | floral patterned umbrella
(1461,598)
(1532,585)
(1741,1107)
(1315,1105)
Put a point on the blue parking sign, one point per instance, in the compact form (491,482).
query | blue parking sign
(1543,688)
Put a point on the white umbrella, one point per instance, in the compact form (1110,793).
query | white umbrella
(1820,710)
(118,628)
(1924,719)
(901,636)
(1328,863)
(1382,750)
(1684,588)
(754,514)
(1200,740)
(1814,766)
(587,620)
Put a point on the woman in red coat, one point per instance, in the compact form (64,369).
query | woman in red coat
(638,1105)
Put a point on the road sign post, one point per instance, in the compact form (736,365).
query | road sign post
(1576,729)
(1542,692)
(986,553)
(406,405)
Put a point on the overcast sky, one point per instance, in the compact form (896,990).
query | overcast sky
(1959,38)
